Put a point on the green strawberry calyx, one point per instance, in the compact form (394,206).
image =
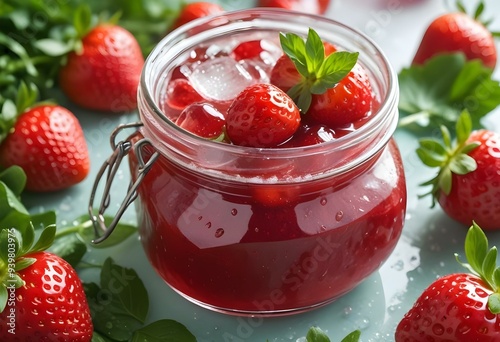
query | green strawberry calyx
(481,261)
(451,157)
(318,72)
(18,237)
(15,247)
(477,15)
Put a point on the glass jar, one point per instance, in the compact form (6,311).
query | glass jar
(264,231)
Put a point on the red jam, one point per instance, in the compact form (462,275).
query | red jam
(250,247)
(267,231)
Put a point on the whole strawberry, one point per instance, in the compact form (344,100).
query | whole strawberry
(104,74)
(467,186)
(195,10)
(48,143)
(458,32)
(461,307)
(46,300)
(307,6)
(262,115)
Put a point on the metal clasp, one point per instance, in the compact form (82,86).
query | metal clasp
(110,168)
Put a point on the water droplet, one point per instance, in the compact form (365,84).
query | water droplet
(339,216)
(208,225)
(109,325)
(200,218)
(256,229)
(398,265)
(323,201)
(234,212)
(347,310)
(438,329)
(322,228)
(219,232)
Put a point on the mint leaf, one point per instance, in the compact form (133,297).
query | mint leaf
(165,330)
(319,72)
(315,51)
(437,92)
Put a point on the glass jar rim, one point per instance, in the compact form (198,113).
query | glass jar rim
(378,129)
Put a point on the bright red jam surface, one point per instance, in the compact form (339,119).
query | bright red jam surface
(246,247)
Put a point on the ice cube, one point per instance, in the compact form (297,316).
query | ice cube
(220,78)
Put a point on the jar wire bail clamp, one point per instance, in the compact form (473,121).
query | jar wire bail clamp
(110,167)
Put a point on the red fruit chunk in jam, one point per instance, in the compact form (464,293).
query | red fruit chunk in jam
(202,119)
(180,94)
(260,49)
(311,135)
(350,100)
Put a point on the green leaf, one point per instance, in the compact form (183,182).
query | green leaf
(82,19)
(315,334)
(165,330)
(442,88)
(9,237)
(96,337)
(462,164)
(469,147)
(337,66)
(24,262)
(69,247)
(431,152)
(53,47)
(463,127)
(319,72)
(489,264)
(4,295)
(128,291)
(494,303)
(12,211)
(445,180)
(121,232)
(295,48)
(21,52)
(352,337)
(43,219)
(26,96)
(476,247)
(120,304)
(496,277)
(315,51)
(14,178)
(45,240)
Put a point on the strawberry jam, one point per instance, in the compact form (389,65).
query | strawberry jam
(264,231)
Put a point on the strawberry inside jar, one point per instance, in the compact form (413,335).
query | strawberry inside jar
(266,226)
